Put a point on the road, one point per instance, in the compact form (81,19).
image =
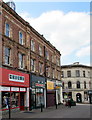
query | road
(78,111)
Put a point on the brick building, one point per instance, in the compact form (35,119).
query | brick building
(29,65)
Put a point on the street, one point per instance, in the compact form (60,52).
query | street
(78,111)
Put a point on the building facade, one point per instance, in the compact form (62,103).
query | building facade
(76,82)
(29,61)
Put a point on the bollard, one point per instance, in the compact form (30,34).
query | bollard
(9,112)
(41,108)
(56,106)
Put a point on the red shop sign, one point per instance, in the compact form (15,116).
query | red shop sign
(13,78)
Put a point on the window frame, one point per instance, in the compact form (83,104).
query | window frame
(7,56)
(21,63)
(21,39)
(8,35)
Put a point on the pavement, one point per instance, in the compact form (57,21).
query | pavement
(78,111)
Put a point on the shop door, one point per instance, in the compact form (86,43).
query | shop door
(51,99)
(78,98)
(21,101)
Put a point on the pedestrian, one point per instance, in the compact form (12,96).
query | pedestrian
(69,102)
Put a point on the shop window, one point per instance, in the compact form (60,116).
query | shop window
(5,100)
(14,99)
(21,60)
(7,55)
(77,73)
(21,38)
(78,84)
(69,73)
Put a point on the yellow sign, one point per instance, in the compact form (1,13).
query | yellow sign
(50,85)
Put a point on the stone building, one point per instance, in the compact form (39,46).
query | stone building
(76,81)
(30,72)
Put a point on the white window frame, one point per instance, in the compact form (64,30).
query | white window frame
(21,39)
(33,65)
(21,62)
(40,50)
(7,29)
(8,56)
(32,45)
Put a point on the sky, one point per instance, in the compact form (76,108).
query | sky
(65,24)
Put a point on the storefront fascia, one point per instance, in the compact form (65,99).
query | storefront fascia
(14,88)
(37,92)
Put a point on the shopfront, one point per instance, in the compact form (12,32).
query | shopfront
(14,88)
(37,91)
(51,93)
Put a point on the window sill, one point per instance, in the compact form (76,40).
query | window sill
(8,65)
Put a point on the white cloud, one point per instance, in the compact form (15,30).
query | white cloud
(67,32)
(85,51)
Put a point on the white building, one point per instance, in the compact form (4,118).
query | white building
(76,81)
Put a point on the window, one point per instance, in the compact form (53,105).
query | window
(62,74)
(83,73)
(53,74)
(32,64)
(7,30)
(21,38)
(68,73)
(7,55)
(58,61)
(32,45)
(47,54)
(84,84)
(78,84)
(69,84)
(88,73)
(21,60)
(77,73)
(40,50)
(40,67)
(63,85)
(59,75)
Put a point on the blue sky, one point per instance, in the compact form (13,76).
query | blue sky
(65,24)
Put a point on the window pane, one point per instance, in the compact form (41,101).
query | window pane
(20,38)
(7,33)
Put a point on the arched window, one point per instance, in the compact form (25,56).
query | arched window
(78,84)
(69,84)
(84,84)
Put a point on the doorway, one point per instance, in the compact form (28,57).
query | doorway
(22,101)
(78,98)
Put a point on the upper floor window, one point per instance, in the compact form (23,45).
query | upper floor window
(62,74)
(32,64)
(58,61)
(77,73)
(21,38)
(84,84)
(88,73)
(63,85)
(47,54)
(83,73)
(40,67)
(40,50)
(7,30)
(32,45)
(78,84)
(7,55)
(21,60)
(59,75)
(69,84)
(68,73)
(53,73)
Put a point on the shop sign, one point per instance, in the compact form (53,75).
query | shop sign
(39,85)
(50,85)
(22,89)
(4,88)
(16,78)
(14,89)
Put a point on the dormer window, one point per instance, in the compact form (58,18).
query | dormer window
(21,38)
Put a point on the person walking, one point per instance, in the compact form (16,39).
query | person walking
(69,102)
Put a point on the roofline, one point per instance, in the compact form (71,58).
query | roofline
(79,65)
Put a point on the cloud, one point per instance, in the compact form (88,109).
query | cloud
(85,51)
(67,32)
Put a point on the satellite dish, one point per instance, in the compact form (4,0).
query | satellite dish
(11,4)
